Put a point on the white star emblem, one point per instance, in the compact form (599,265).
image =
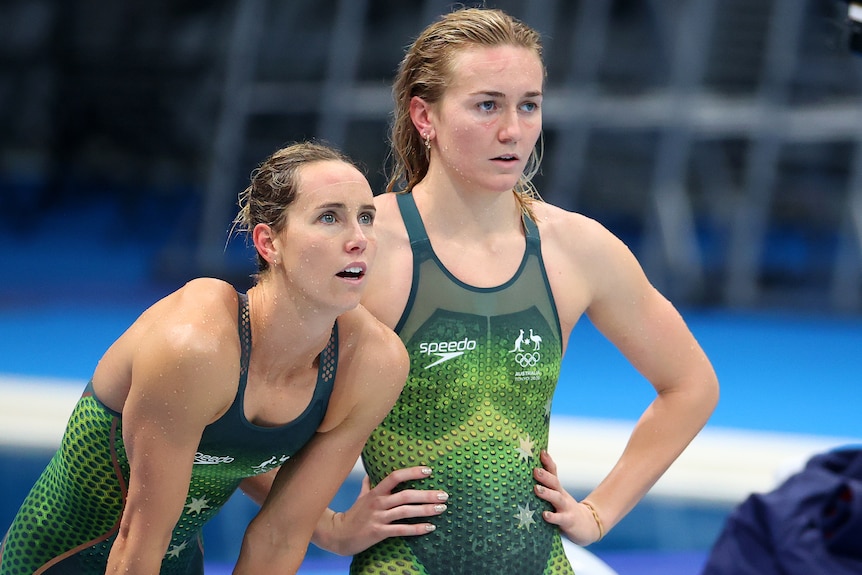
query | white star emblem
(197,505)
(525,451)
(525,517)
(175,550)
(548,409)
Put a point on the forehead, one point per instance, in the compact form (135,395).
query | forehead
(485,67)
(328,178)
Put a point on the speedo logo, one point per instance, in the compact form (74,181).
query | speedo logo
(204,459)
(446,350)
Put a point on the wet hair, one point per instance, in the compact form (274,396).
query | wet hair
(426,70)
(274,185)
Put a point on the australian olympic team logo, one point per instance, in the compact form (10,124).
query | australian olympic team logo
(526,349)
(270,463)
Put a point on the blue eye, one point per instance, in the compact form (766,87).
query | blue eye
(366,218)
(328,218)
(487,106)
(529,106)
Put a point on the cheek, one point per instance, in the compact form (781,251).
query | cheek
(463,143)
(308,257)
(535,128)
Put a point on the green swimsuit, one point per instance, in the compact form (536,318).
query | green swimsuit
(70,518)
(484,363)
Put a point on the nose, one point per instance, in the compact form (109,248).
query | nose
(357,240)
(510,126)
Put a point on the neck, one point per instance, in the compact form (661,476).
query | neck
(467,214)
(286,335)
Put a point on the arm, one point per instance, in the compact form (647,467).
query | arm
(280,533)
(171,399)
(651,334)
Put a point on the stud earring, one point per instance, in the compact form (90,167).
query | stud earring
(427,137)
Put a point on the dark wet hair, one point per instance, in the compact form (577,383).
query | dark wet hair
(274,185)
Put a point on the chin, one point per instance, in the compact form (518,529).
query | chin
(350,303)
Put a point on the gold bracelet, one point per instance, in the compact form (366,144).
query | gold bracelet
(596,517)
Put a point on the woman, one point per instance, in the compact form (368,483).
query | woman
(484,284)
(209,387)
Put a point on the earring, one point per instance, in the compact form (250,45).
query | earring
(427,137)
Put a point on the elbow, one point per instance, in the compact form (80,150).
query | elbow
(707,394)
(265,547)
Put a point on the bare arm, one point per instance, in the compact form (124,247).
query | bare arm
(651,334)
(170,401)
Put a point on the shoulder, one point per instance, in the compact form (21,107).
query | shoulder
(373,353)
(372,369)
(386,202)
(578,243)
(195,320)
(585,262)
(392,271)
(185,347)
(372,342)
(388,222)
(559,226)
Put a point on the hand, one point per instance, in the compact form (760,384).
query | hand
(574,519)
(372,517)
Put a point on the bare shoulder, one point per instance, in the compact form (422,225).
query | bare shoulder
(388,223)
(374,342)
(573,243)
(570,230)
(198,313)
(194,325)
(377,355)
(185,341)
(585,262)
(372,369)
(391,273)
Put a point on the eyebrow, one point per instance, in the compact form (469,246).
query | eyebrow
(342,205)
(495,94)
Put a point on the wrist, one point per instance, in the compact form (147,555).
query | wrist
(596,518)
(325,533)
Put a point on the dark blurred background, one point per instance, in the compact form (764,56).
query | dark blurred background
(722,140)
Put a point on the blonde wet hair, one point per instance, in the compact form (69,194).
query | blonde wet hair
(425,72)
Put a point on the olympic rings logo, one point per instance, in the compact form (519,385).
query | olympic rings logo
(527,359)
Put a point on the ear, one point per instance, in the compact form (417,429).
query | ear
(265,242)
(422,116)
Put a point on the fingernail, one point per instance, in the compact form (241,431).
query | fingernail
(440,508)
(442,496)
(540,488)
(430,527)
(426,471)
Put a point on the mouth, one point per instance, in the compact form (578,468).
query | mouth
(508,158)
(352,272)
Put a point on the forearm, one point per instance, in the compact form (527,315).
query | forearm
(257,488)
(660,436)
(267,550)
(131,554)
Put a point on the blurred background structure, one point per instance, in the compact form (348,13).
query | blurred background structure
(722,140)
